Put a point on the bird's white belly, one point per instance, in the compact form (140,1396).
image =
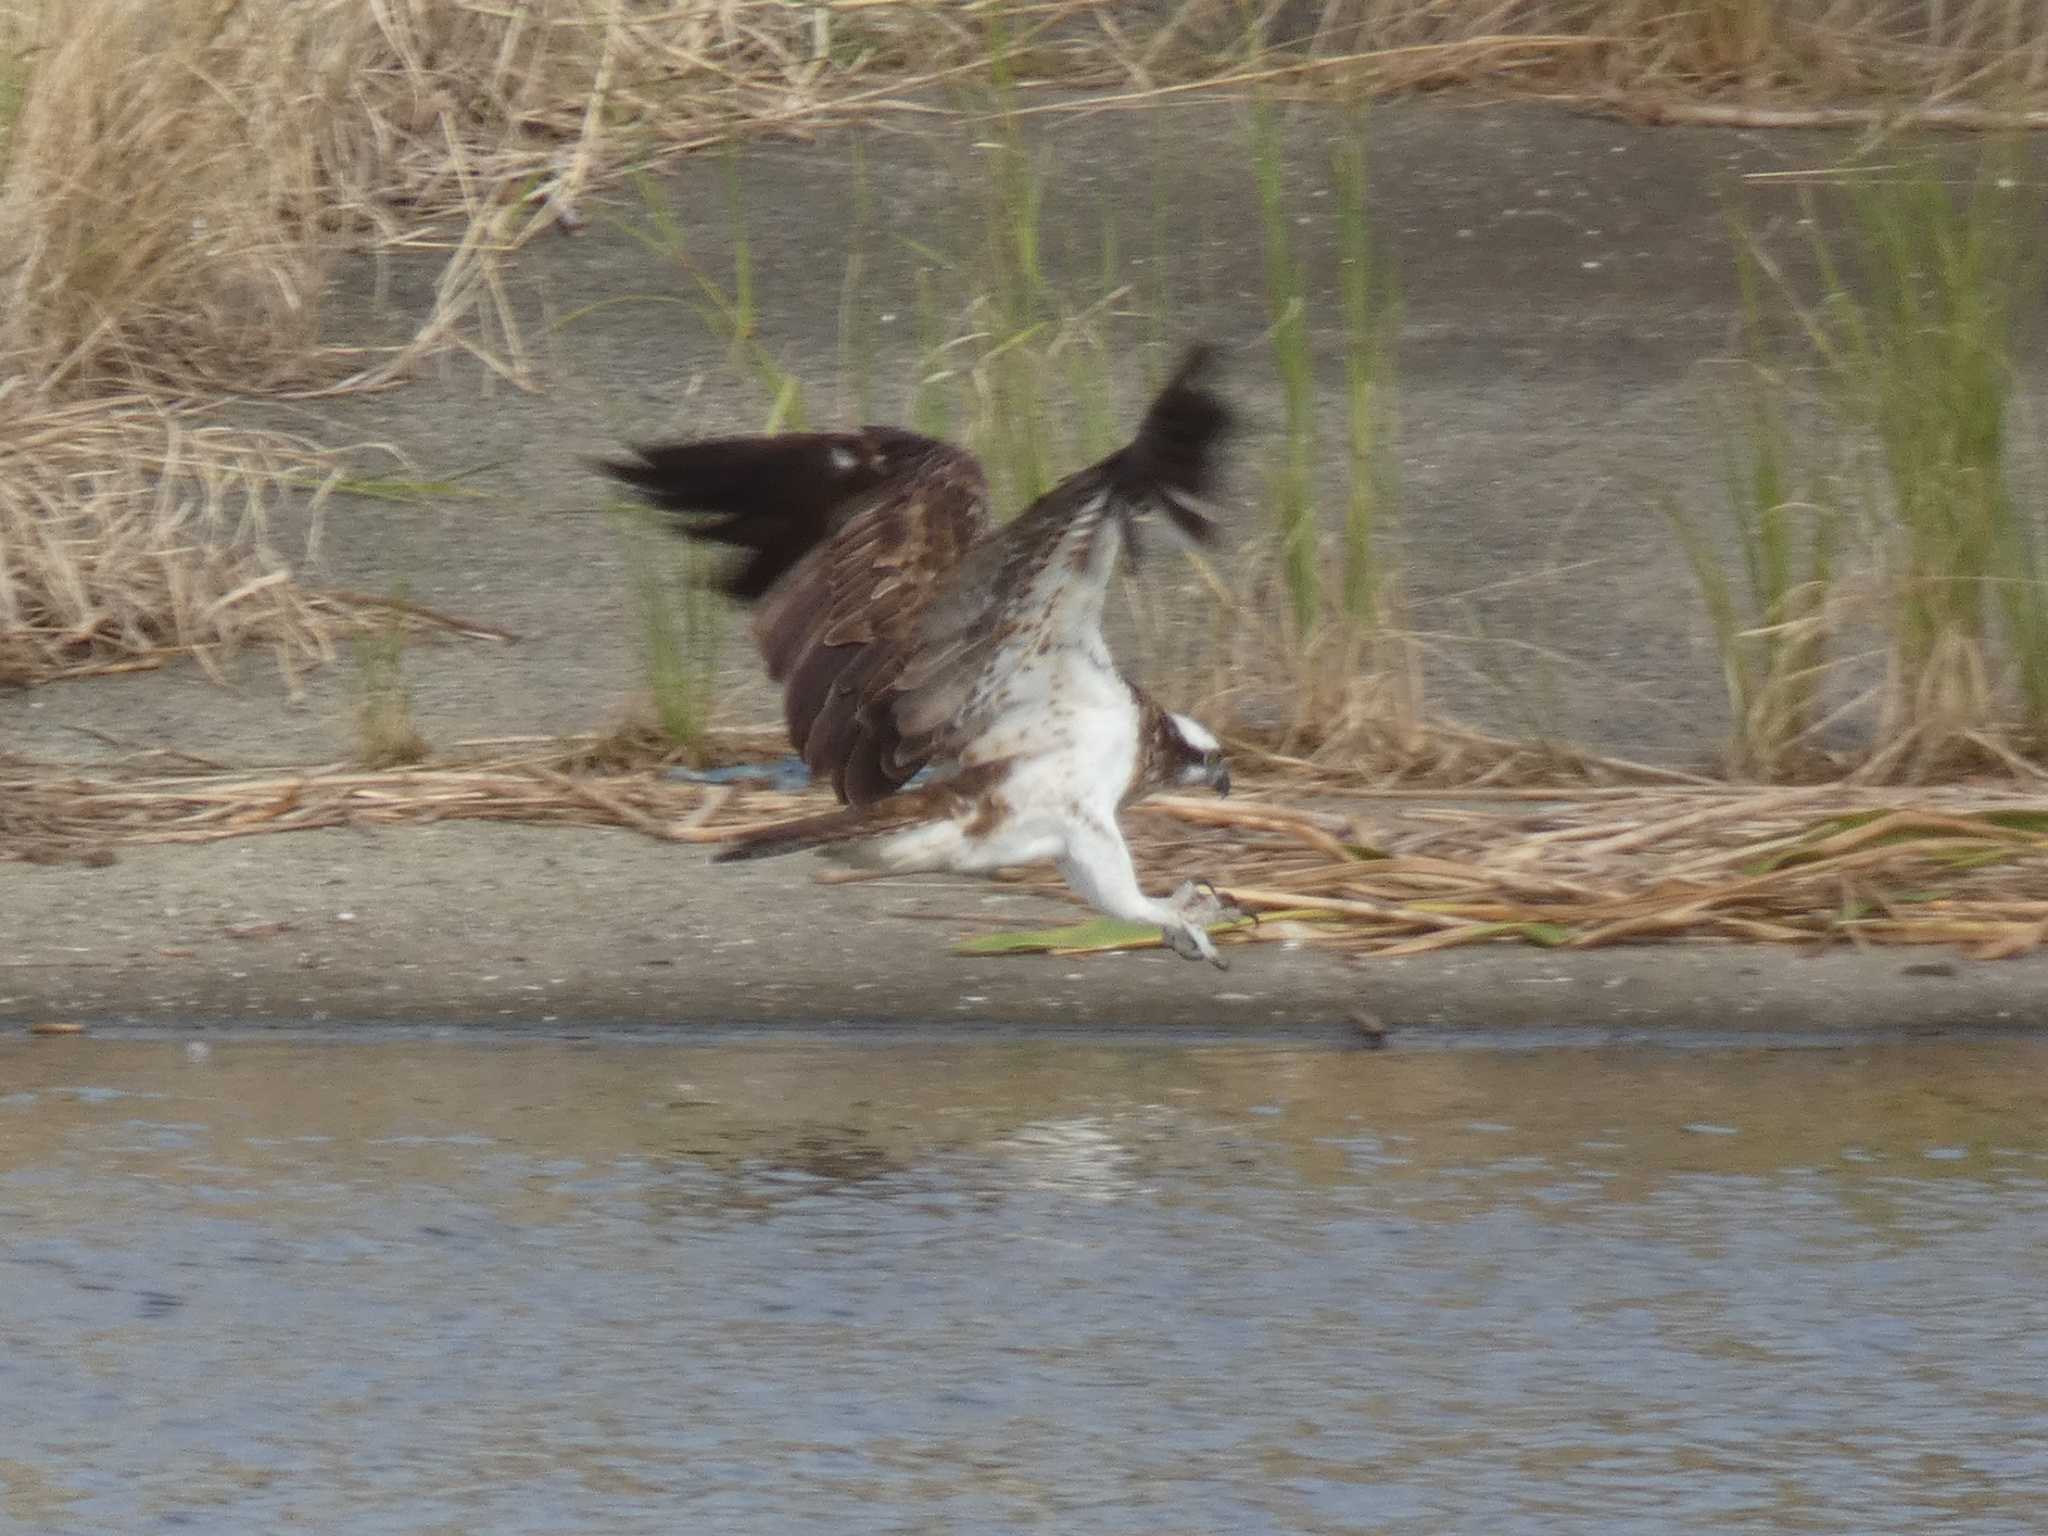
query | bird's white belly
(1065,728)
(1069,724)
(1020,835)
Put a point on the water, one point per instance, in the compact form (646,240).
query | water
(509,1287)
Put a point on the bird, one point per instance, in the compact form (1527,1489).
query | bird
(911,631)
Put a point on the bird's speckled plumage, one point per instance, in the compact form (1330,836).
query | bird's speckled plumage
(908,631)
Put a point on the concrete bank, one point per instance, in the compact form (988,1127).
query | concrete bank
(1564,279)
(568,928)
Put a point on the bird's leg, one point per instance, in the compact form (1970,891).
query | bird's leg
(1097,866)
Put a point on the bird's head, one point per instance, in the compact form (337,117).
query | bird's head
(1195,757)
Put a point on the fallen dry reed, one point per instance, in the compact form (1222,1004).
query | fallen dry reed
(1964,866)
(130,534)
(1388,873)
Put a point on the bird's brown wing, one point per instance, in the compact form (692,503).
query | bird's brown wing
(848,536)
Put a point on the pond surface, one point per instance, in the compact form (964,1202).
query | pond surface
(505,1286)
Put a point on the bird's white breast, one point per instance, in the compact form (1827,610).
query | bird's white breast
(1069,723)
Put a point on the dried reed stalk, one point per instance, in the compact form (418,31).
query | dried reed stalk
(1964,866)
(130,533)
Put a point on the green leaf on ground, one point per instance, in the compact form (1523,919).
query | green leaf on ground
(2018,821)
(1545,935)
(1099,934)
(1095,934)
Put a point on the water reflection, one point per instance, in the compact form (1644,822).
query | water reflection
(417,1286)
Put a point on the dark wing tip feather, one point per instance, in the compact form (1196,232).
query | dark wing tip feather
(1173,457)
(715,474)
(639,474)
(773,496)
(628,470)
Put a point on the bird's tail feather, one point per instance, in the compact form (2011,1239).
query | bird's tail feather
(838,830)
(822,831)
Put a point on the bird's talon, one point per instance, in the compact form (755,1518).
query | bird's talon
(1191,941)
(1227,911)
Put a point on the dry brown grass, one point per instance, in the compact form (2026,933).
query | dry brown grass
(181,175)
(130,534)
(1962,58)
(133,533)
(1962,866)
(158,225)
(1379,874)
(180,178)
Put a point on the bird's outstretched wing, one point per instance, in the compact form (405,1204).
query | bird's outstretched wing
(896,622)
(848,537)
(1037,588)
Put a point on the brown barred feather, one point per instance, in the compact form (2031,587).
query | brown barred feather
(846,537)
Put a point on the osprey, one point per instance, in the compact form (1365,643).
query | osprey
(908,630)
